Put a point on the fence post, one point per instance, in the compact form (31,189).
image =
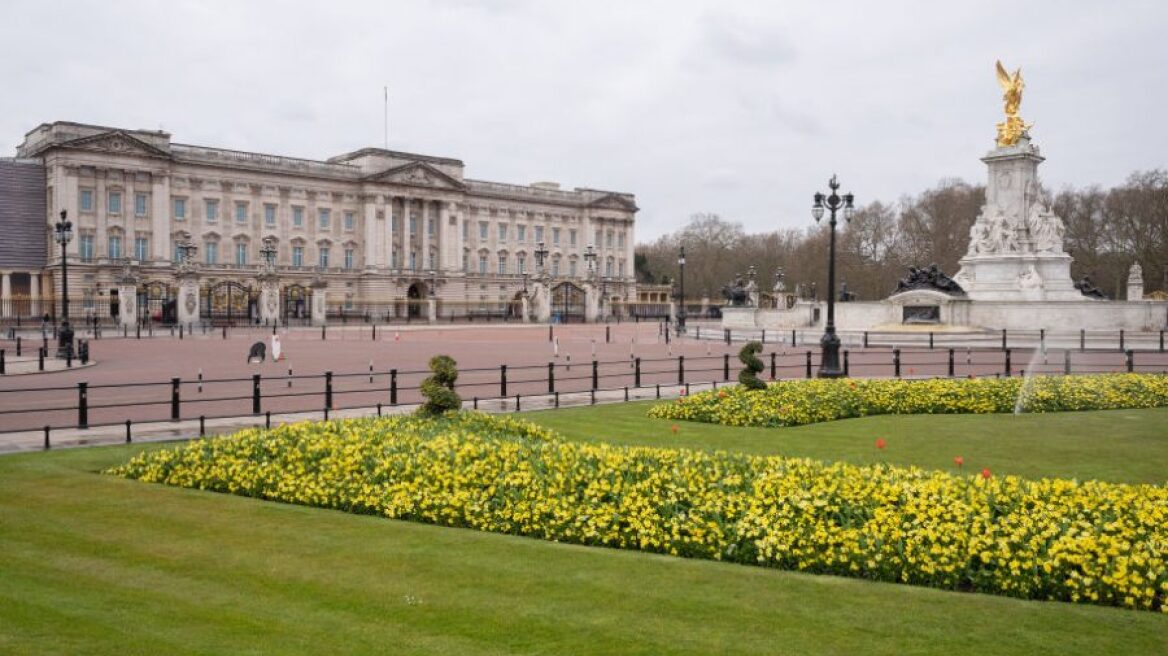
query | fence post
(808,364)
(41,357)
(1121,340)
(865,339)
(3,369)
(322,333)
(180,331)
(1161,341)
(549,333)
(637,372)
(595,375)
(793,338)
(393,386)
(680,369)
(224,331)
(1067,362)
(1003,339)
(255,394)
(1042,338)
(127,431)
(726,335)
(328,390)
(47,445)
(952,367)
(762,337)
(551,378)
(1009,368)
(174,399)
(847,366)
(930,340)
(503,380)
(607,334)
(1130,357)
(1082,339)
(725,366)
(18,346)
(773,368)
(896,362)
(83,405)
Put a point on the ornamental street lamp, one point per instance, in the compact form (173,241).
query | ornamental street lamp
(590,259)
(268,252)
(829,364)
(64,234)
(681,292)
(433,283)
(540,253)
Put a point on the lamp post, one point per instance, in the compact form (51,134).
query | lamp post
(540,253)
(681,292)
(590,259)
(64,234)
(829,364)
(268,252)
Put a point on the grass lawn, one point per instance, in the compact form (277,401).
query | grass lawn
(1123,446)
(100,565)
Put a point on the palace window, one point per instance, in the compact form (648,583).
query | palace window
(609,242)
(413,260)
(521,263)
(241,212)
(270,215)
(502,263)
(622,269)
(180,209)
(86,200)
(556,236)
(572,268)
(608,268)
(502,232)
(413,225)
(483,264)
(297,217)
(348,258)
(571,237)
(620,240)
(597,241)
(349,221)
(521,233)
(241,254)
(141,248)
(114,204)
(556,266)
(483,230)
(140,204)
(212,209)
(86,247)
(324,257)
(115,247)
(325,217)
(466,229)
(465,261)
(211,252)
(538,234)
(297,256)
(430,223)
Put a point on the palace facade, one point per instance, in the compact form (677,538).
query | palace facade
(373,229)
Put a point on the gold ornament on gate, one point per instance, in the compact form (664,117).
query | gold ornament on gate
(1013,128)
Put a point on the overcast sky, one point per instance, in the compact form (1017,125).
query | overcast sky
(743,109)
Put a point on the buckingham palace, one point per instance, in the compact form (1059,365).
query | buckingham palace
(374,234)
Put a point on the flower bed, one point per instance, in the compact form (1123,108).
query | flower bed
(1048,539)
(797,402)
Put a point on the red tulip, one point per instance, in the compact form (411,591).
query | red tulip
(675,428)
(959,461)
(880,443)
(985,473)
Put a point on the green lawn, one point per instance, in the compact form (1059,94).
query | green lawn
(1124,446)
(100,565)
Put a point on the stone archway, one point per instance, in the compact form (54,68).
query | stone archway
(415,297)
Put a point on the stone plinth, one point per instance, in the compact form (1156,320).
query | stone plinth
(188,296)
(269,308)
(128,305)
(319,302)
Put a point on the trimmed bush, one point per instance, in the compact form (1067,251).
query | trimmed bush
(748,356)
(439,388)
(798,402)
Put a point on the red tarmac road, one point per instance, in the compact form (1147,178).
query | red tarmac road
(132,378)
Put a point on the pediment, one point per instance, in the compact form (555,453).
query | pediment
(417,174)
(614,202)
(116,141)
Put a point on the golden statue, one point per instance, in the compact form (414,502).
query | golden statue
(1013,127)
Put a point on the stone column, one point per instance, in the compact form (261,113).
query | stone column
(1135,283)
(373,247)
(591,302)
(6,293)
(705,306)
(160,217)
(188,297)
(34,293)
(525,308)
(424,235)
(319,302)
(432,310)
(541,302)
(269,298)
(127,303)
(389,236)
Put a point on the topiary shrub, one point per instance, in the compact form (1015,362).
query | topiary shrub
(748,377)
(439,388)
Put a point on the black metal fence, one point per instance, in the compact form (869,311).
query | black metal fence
(82,405)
